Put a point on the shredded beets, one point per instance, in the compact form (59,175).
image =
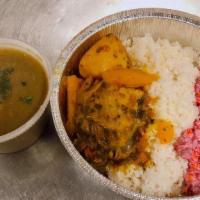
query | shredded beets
(184,144)
(197,91)
(192,177)
(188,147)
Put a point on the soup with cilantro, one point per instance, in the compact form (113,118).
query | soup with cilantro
(23,87)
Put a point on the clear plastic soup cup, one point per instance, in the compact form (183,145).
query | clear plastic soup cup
(30,131)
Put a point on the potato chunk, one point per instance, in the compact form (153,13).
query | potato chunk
(107,53)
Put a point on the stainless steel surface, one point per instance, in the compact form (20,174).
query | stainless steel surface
(46,171)
(173,25)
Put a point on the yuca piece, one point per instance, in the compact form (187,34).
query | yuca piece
(73,83)
(105,54)
(128,77)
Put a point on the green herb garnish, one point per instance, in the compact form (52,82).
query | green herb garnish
(5,83)
(140,101)
(139,113)
(98,106)
(23,83)
(26,99)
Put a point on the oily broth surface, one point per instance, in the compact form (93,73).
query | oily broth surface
(28,88)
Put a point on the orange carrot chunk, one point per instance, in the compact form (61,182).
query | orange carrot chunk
(128,77)
(63,91)
(73,84)
(165,131)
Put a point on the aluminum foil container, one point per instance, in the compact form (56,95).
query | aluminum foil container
(160,23)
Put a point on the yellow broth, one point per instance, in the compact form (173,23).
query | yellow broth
(23,87)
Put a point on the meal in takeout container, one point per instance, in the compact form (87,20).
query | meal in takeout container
(126,118)
(126,92)
(131,109)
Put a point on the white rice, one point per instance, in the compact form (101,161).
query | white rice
(175,90)
(175,87)
(131,178)
(166,177)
